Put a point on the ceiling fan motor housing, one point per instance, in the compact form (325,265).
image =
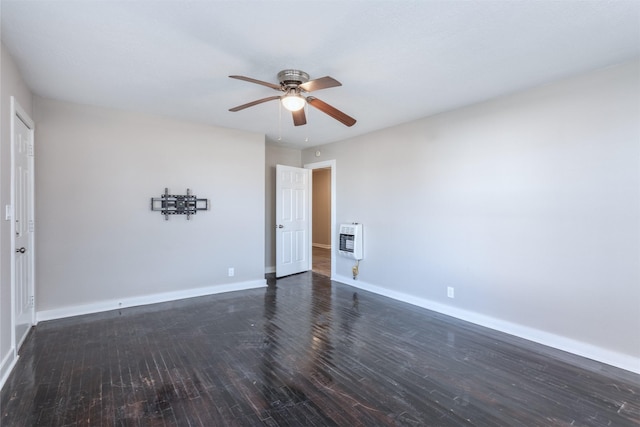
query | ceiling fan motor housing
(292,78)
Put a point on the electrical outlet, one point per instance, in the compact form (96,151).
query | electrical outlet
(450,292)
(232,272)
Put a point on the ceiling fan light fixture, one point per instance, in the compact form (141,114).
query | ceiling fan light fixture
(292,84)
(293,102)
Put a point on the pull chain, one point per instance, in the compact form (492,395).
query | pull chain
(279,121)
(306,107)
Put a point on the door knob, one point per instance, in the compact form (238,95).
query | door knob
(280,226)
(21,250)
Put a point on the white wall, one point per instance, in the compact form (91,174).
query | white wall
(11,84)
(528,205)
(275,155)
(98,242)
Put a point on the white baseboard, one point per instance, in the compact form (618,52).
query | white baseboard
(569,345)
(321,245)
(7,365)
(269,270)
(77,310)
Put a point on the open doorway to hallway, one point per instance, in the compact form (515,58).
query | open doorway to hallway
(321,221)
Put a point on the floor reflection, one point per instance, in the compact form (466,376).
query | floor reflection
(348,317)
(287,364)
(321,318)
(270,382)
(281,380)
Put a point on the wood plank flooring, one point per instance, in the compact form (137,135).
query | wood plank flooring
(301,353)
(321,260)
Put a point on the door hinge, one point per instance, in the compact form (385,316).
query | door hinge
(32,301)
(31,226)
(30,152)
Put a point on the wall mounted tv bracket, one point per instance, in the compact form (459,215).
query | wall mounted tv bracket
(171,204)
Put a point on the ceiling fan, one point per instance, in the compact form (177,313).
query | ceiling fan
(294,83)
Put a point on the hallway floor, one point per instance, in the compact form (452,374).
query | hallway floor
(302,352)
(321,261)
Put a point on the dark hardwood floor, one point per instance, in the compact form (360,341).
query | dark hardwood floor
(302,353)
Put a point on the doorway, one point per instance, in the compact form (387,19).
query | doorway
(321,221)
(323,217)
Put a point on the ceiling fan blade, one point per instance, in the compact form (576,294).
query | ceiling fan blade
(321,83)
(299,117)
(260,82)
(251,104)
(332,111)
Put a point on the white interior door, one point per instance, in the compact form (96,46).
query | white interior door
(23,219)
(293,224)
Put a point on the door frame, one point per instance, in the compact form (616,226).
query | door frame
(18,113)
(324,165)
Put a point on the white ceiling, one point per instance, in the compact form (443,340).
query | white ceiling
(397,60)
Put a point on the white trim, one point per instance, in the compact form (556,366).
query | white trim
(7,365)
(321,165)
(590,351)
(270,269)
(321,245)
(97,307)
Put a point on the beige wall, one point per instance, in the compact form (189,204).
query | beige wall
(11,84)
(527,205)
(100,245)
(322,207)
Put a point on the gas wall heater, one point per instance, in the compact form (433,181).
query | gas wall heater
(351,241)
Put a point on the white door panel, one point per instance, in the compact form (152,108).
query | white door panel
(23,217)
(293,241)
